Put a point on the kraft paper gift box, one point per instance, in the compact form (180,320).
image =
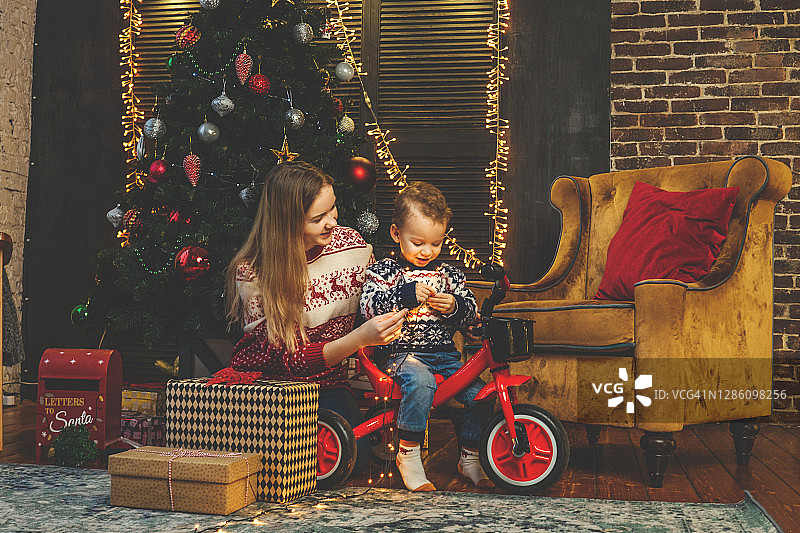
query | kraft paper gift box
(148,401)
(277,419)
(143,429)
(194,481)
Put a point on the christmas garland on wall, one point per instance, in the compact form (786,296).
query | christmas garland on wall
(133,138)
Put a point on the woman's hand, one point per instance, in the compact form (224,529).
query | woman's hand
(442,302)
(382,329)
(424,292)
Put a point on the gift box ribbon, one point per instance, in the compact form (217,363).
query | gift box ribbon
(180,452)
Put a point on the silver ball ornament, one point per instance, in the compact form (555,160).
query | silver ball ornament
(248,195)
(346,125)
(344,71)
(367,223)
(222,104)
(155,128)
(303,33)
(295,118)
(209,4)
(115,216)
(141,149)
(208,132)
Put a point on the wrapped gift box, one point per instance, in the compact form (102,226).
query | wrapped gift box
(183,480)
(148,400)
(143,429)
(277,419)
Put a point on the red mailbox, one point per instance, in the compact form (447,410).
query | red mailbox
(79,387)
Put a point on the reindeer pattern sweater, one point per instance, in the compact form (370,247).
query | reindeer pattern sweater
(336,275)
(391,285)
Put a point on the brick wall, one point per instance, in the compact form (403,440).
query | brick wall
(16,61)
(708,80)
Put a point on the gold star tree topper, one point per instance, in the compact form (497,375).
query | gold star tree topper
(284,154)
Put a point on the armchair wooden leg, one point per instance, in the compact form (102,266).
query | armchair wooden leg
(744,433)
(658,447)
(593,433)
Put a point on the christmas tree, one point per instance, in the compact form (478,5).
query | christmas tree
(250,87)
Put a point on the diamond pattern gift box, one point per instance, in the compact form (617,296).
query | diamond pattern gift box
(277,419)
(194,481)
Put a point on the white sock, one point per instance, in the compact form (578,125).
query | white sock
(409,463)
(469,465)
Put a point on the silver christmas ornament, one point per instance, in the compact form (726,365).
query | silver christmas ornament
(346,125)
(222,104)
(209,4)
(248,195)
(345,71)
(303,33)
(208,132)
(367,223)
(295,118)
(115,216)
(155,128)
(141,149)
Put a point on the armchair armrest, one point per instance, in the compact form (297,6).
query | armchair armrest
(6,247)
(566,277)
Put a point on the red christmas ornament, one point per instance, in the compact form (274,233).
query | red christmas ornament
(131,219)
(191,166)
(178,218)
(243,65)
(192,262)
(361,174)
(157,170)
(258,84)
(338,105)
(187,36)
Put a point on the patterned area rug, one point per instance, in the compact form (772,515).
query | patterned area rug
(60,500)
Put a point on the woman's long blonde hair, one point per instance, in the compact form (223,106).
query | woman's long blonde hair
(275,250)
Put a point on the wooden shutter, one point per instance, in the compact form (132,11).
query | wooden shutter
(432,79)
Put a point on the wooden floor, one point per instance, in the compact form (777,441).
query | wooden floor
(703,468)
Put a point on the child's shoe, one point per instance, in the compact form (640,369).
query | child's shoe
(469,465)
(409,463)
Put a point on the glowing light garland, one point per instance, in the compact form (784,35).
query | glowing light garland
(498,126)
(133,116)
(494,123)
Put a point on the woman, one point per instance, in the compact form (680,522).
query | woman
(295,286)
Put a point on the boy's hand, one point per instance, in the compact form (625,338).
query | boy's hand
(424,292)
(442,302)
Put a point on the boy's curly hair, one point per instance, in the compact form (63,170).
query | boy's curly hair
(424,198)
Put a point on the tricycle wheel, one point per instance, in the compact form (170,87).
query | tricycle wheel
(533,470)
(336,449)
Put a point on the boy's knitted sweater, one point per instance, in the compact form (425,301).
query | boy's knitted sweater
(391,285)
(336,274)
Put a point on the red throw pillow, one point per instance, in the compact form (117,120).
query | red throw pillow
(666,235)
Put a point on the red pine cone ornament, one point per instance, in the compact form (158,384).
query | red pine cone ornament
(192,262)
(131,218)
(243,65)
(191,166)
(157,170)
(187,36)
(258,84)
(338,105)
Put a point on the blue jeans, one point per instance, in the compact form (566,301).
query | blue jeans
(414,372)
(341,401)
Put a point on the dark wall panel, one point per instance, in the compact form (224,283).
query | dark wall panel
(77,165)
(557,101)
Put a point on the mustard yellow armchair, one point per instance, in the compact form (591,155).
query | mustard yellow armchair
(679,353)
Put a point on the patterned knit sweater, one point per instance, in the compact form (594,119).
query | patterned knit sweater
(391,285)
(336,274)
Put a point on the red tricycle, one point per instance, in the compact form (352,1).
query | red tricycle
(523,449)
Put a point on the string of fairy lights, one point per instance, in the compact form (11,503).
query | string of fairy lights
(498,126)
